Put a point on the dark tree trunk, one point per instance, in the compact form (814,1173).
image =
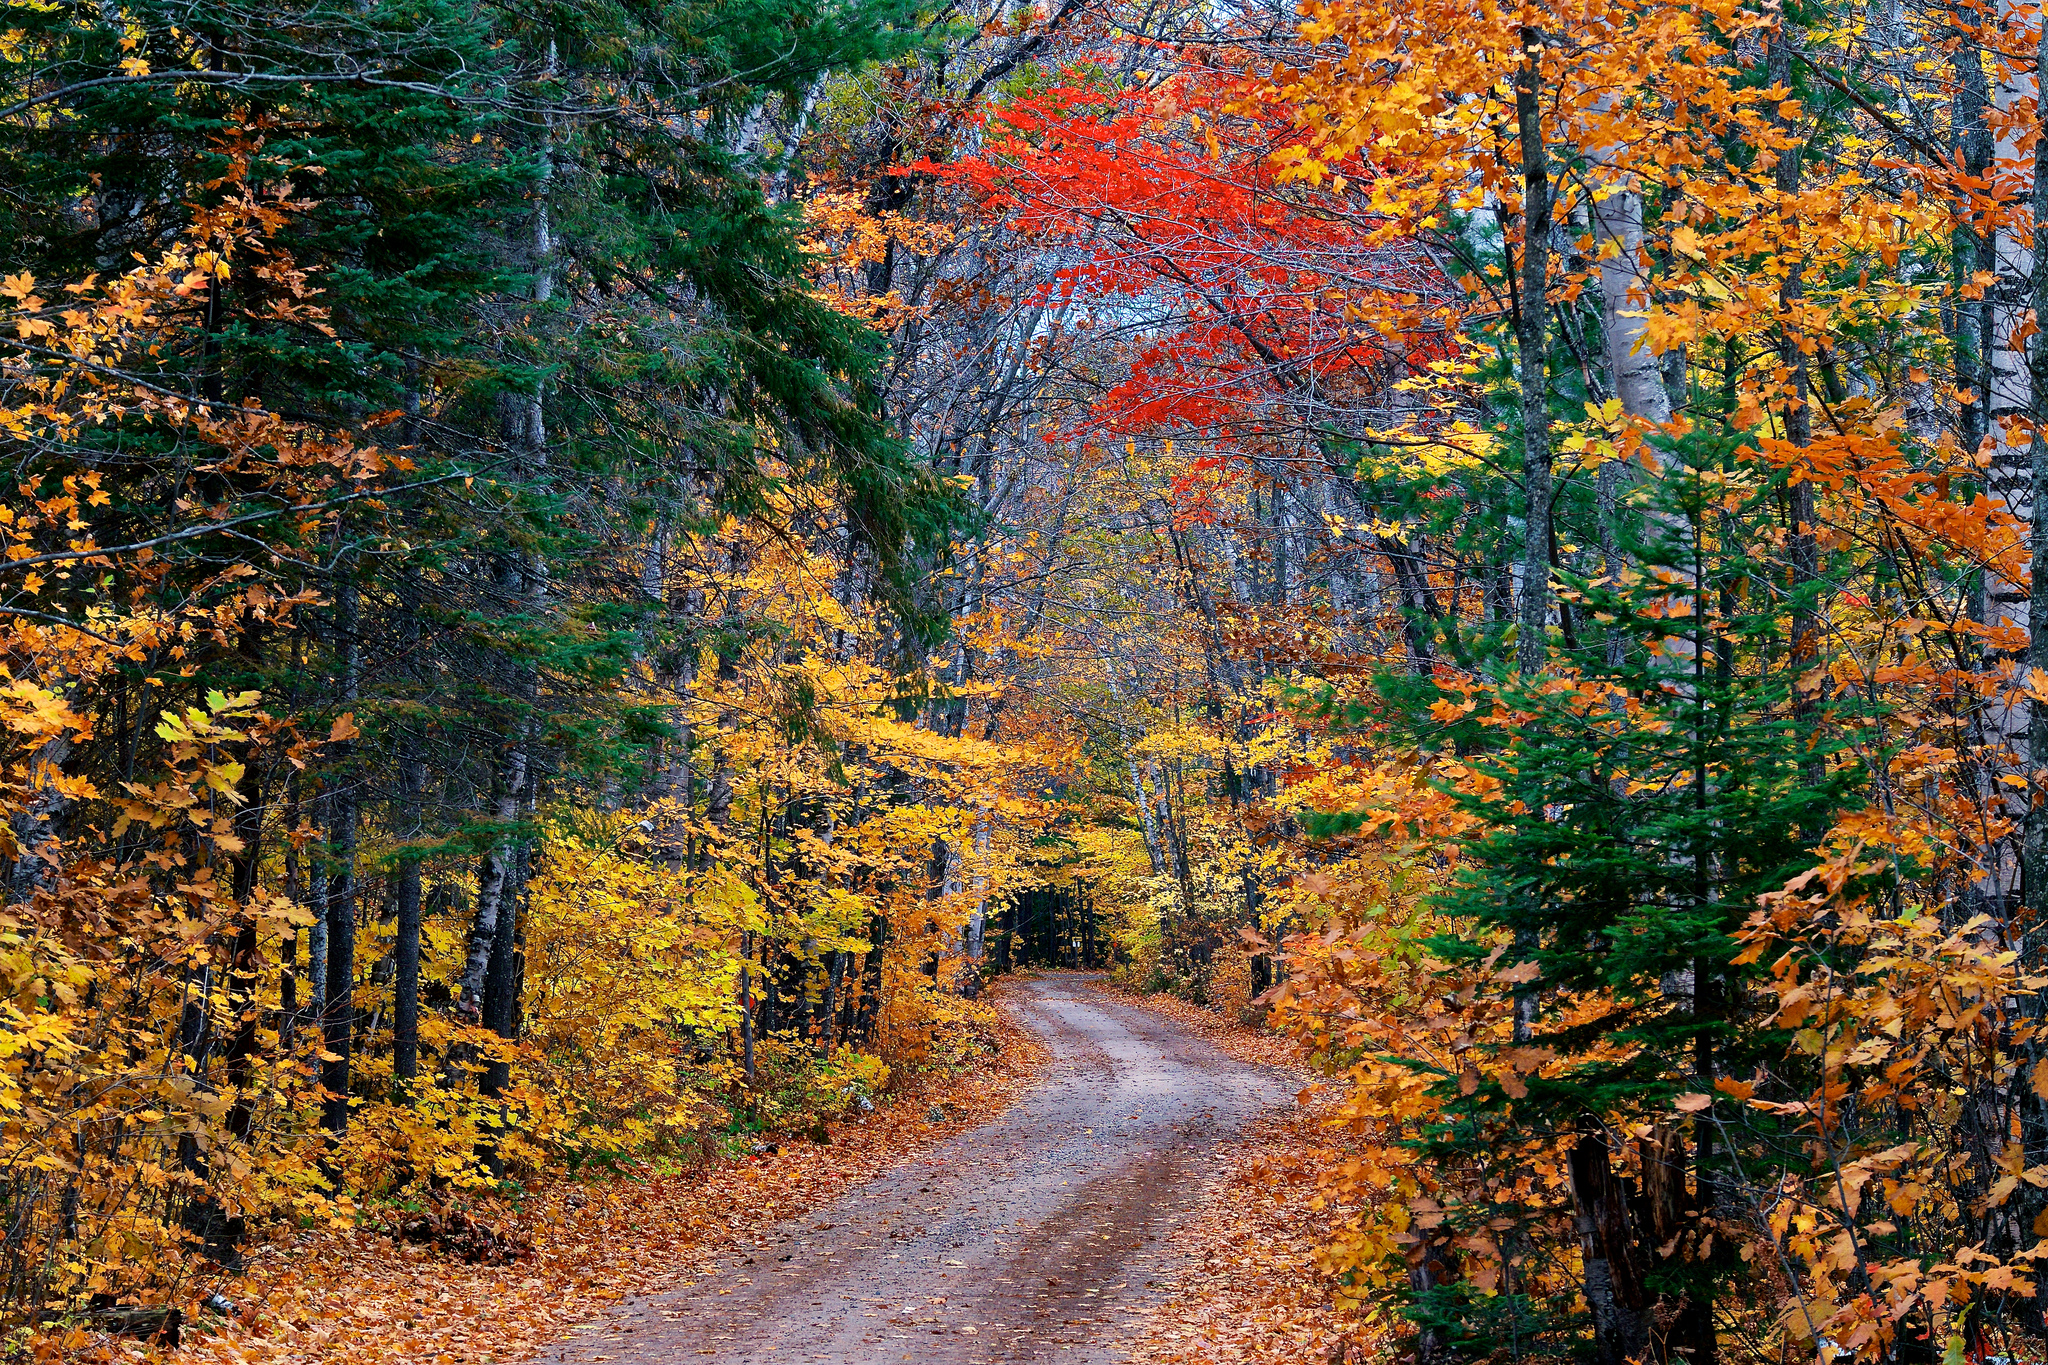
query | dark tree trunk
(835,972)
(747,1006)
(871,979)
(288,983)
(501,989)
(1530,336)
(405,1002)
(1614,1284)
(338,1032)
(341,891)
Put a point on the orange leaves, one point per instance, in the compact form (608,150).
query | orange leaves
(1892,1011)
(844,239)
(39,713)
(379,1301)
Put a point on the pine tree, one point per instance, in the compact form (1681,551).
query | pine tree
(1627,814)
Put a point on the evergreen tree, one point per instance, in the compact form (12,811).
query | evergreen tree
(1627,815)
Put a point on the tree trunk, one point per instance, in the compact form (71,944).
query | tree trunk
(339,1015)
(294,891)
(1614,1288)
(1973,330)
(501,983)
(405,1005)
(315,1011)
(2035,870)
(1801,545)
(408,823)
(1530,331)
(747,1006)
(2033,1111)
(1617,222)
(835,972)
(520,584)
(977,918)
(40,825)
(2009,479)
(865,1017)
(494,883)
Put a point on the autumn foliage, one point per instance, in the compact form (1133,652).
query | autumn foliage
(573,586)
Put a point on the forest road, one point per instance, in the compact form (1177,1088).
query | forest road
(1031,1237)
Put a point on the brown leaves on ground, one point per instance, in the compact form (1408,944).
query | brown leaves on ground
(361,1298)
(1242,1041)
(1249,1289)
(454,1232)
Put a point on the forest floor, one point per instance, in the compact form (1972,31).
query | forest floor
(1044,1234)
(361,1298)
(1129,1179)
(1248,1288)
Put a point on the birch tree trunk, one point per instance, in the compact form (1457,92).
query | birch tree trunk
(1617,222)
(2035,858)
(520,585)
(2009,480)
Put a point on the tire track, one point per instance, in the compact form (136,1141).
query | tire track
(1026,1239)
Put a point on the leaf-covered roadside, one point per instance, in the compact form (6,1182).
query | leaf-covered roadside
(594,1243)
(1250,1287)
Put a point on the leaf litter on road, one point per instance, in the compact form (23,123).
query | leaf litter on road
(1248,1287)
(380,1301)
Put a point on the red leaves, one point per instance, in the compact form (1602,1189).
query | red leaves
(1256,295)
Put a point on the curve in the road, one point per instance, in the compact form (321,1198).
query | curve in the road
(1028,1238)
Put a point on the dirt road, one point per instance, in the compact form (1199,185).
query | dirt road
(1028,1238)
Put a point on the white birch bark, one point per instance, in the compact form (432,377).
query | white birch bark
(2009,475)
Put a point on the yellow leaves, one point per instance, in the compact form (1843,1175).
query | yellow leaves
(1666,328)
(1595,450)
(134,66)
(225,778)
(39,713)
(191,729)
(1294,163)
(17,286)
(843,236)
(288,912)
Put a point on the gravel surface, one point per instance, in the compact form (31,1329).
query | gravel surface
(1028,1238)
